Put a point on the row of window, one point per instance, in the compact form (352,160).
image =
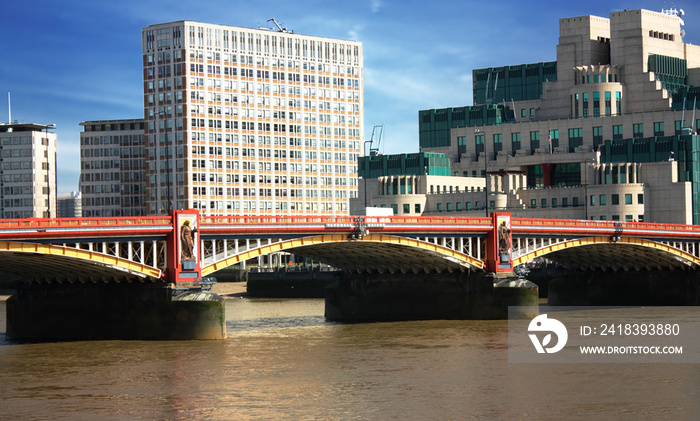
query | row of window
(628,218)
(582,100)
(457,206)
(575,137)
(263,205)
(602,201)
(257,42)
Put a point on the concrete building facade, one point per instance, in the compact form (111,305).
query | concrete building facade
(250,121)
(112,168)
(69,205)
(27,171)
(611,137)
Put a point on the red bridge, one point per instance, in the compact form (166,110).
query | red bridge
(149,248)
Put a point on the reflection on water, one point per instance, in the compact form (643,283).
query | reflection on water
(283,360)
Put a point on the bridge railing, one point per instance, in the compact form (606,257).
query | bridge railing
(549,226)
(81,227)
(220,224)
(72,222)
(311,219)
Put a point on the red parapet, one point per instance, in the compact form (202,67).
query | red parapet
(84,227)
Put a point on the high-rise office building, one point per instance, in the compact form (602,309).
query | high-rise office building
(112,168)
(250,121)
(27,171)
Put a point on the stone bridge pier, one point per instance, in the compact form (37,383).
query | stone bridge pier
(631,288)
(61,298)
(430,296)
(471,293)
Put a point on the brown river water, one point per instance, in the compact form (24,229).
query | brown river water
(284,361)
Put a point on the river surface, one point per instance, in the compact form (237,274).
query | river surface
(283,360)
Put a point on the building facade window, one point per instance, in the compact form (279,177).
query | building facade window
(534,141)
(614,199)
(515,140)
(617,132)
(575,139)
(461,144)
(554,139)
(638,131)
(659,129)
(597,137)
(479,143)
(596,104)
(497,144)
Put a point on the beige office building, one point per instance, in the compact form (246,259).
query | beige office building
(607,132)
(27,171)
(244,121)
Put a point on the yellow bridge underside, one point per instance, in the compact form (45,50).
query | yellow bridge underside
(371,253)
(602,253)
(34,261)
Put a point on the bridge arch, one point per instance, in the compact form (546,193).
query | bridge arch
(38,261)
(603,253)
(370,253)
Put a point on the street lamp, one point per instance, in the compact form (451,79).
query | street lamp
(486,177)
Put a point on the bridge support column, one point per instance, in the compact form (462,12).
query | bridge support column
(650,288)
(45,312)
(401,296)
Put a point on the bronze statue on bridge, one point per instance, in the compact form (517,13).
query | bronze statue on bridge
(187,241)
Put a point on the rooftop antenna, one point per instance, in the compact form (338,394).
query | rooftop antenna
(278,25)
(379,130)
(9,109)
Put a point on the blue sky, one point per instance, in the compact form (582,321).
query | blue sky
(70,61)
